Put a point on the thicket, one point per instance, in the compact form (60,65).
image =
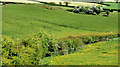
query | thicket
(88,10)
(31,48)
(93,39)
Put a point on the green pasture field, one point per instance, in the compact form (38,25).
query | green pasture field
(21,19)
(101,53)
(112,6)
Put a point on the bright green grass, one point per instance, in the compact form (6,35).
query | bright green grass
(112,6)
(101,53)
(18,20)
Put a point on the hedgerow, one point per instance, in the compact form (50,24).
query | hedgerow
(25,51)
(97,38)
(31,48)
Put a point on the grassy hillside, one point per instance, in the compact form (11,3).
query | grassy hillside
(114,6)
(102,53)
(25,19)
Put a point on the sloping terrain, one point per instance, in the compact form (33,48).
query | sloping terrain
(23,19)
(102,53)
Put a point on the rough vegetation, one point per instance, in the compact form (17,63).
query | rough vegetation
(101,53)
(30,49)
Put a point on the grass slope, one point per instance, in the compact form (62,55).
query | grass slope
(24,19)
(102,53)
(112,6)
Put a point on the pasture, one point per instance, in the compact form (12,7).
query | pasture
(22,19)
(101,53)
(53,25)
(113,6)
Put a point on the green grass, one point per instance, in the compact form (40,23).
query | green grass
(112,6)
(24,19)
(101,53)
(18,20)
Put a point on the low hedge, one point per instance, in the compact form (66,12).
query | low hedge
(97,38)
(31,48)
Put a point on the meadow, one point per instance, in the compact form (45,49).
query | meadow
(114,6)
(33,31)
(19,20)
(101,53)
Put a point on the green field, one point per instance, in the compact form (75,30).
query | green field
(114,6)
(101,53)
(24,19)
(41,21)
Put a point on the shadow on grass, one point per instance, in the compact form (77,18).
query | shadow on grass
(107,15)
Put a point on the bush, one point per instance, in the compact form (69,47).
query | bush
(88,10)
(31,48)
(26,51)
(76,10)
(92,39)
(69,45)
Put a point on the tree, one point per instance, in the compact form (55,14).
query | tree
(4,3)
(60,3)
(66,3)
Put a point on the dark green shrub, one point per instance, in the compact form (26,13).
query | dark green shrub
(17,54)
(77,44)
(92,39)
(60,3)
(66,3)
(70,45)
(26,51)
(76,10)
(63,47)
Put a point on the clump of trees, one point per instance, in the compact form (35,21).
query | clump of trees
(88,10)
